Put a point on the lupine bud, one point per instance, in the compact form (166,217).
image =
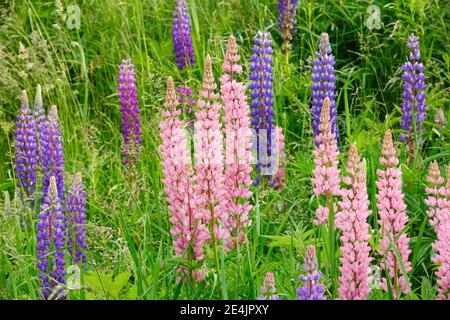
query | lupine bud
(352,221)
(268,288)
(326,172)
(26,150)
(312,289)
(187,103)
(262,102)
(52,153)
(287,10)
(323,85)
(393,218)
(181,35)
(51,231)
(76,205)
(129,108)
(237,145)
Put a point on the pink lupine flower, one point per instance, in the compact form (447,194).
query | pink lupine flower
(188,229)
(436,191)
(237,145)
(208,157)
(352,221)
(442,258)
(393,218)
(279,178)
(326,172)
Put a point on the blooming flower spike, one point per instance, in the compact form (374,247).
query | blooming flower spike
(76,205)
(311,289)
(181,35)
(268,288)
(287,10)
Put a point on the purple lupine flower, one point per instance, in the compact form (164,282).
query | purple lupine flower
(51,230)
(287,10)
(268,288)
(39,117)
(26,150)
(323,85)
(76,205)
(262,98)
(52,153)
(181,35)
(129,108)
(187,103)
(312,289)
(413,95)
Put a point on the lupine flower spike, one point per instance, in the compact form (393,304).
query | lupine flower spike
(76,205)
(279,178)
(187,103)
(262,104)
(209,168)
(436,191)
(311,289)
(129,108)
(237,144)
(181,35)
(352,221)
(188,229)
(51,231)
(326,172)
(393,218)
(287,10)
(268,288)
(52,153)
(413,96)
(26,151)
(323,85)
(39,117)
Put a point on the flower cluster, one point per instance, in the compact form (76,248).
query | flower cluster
(436,191)
(268,288)
(352,221)
(39,117)
(287,10)
(323,86)
(76,206)
(279,178)
(129,108)
(187,103)
(312,289)
(393,218)
(181,35)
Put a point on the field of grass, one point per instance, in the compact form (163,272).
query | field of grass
(130,253)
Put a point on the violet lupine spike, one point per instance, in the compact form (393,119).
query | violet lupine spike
(39,117)
(187,103)
(393,219)
(323,85)
(51,231)
(181,35)
(287,10)
(262,112)
(413,96)
(268,288)
(76,206)
(129,108)
(312,289)
(52,153)
(26,150)
(237,145)
(352,221)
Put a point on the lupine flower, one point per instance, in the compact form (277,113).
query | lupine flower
(268,288)
(129,108)
(326,172)
(287,10)
(323,85)
(188,229)
(279,178)
(39,117)
(26,150)
(209,168)
(76,205)
(181,35)
(311,289)
(51,230)
(393,218)
(237,145)
(436,191)
(413,96)
(52,153)
(187,102)
(262,102)
(442,258)
(352,221)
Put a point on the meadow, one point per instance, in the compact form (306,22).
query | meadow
(129,245)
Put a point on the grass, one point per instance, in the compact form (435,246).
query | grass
(128,232)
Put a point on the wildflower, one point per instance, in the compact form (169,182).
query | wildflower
(187,101)
(436,200)
(279,178)
(268,288)
(393,218)
(51,230)
(312,289)
(287,10)
(323,86)
(76,205)
(39,117)
(352,221)
(181,35)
